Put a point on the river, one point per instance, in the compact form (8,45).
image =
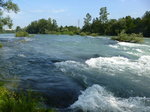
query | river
(77,73)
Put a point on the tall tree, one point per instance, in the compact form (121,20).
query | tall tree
(103,15)
(87,24)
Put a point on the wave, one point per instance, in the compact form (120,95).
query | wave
(98,99)
(126,44)
(113,65)
(70,65)
(132,44)
(132,48)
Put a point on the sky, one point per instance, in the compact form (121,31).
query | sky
(69,12)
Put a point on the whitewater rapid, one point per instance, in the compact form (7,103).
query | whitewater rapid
(97,99)
(112,65)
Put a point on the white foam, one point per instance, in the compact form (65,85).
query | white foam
(22,55)
(132,48)
(97,99)
(139,50)
(114,46)
(70,66)
(132,44)
(27,39)
(113,65)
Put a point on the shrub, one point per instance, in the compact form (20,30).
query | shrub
(124,37)
(1,45)
(94,34)
(83,34)
(22,34)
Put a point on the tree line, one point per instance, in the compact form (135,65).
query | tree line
(100,25)
(104,26)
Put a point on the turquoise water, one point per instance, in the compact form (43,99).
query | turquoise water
(77,73)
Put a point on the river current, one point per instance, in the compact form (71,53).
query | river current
(77,73)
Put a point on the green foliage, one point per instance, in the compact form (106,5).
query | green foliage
(1,45)
(124,37)
(11,102)
(22,34)
(9,6)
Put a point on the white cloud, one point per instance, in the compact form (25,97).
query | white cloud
(49,11)
(58,11)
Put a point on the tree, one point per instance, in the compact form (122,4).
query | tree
(87,24)
(18,28)
(54,25)
(103,15)
(146,24)
(42,26)
(7,5)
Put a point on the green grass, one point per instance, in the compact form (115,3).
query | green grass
(12,102)
(133,38)
(22,34)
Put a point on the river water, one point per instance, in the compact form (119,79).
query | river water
(75,73)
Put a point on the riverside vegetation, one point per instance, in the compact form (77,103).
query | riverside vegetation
(22,34)
(13,102)
(133,38)
(132,27)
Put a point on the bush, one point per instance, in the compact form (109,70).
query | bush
(22,34)
(83,34)
(124,37)
(94,34)
(1,45)
(11,102)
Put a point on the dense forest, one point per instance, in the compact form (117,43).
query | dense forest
(100,25)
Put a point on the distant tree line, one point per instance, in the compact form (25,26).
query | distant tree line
(95,26)
(104,26)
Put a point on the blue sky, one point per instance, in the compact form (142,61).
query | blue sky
(68,12)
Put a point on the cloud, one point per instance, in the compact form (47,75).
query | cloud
(58,11)
(49,11)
